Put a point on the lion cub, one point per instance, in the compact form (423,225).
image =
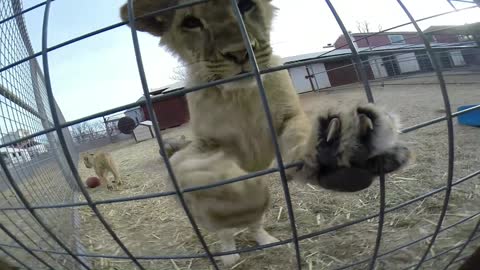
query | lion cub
(341,150)
(103,164)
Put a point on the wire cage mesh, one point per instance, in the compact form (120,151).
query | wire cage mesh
(43,196)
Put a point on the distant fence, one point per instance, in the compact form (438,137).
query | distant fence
(102,131)
(37,160)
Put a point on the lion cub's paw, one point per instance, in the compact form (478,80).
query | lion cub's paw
(349,148)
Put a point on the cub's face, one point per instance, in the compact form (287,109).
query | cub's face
(88,160)
(206,37)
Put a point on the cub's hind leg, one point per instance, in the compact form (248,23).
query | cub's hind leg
(222,208)
(116,176)
(227,241)
(261,236)
(101,172)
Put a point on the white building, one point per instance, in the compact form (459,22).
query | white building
(15,155)
(315,71)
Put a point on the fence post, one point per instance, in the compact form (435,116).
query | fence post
(107,129)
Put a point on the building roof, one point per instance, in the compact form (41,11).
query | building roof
(385,33)
(376,50)
(440,29)
(165,89)
(437,29)
(454,29)
(168,88)
(341,38)
(307,56)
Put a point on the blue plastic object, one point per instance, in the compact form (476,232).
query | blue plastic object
(471,118)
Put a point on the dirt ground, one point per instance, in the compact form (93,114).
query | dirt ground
(158,226)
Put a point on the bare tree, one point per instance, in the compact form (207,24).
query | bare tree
(179,74)
(363,26)
(88,131)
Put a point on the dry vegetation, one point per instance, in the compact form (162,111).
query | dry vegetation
(159,227)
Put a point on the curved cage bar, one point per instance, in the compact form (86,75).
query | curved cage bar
(162,151)
(450,131)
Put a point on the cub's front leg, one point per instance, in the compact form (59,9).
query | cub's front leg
(348,149)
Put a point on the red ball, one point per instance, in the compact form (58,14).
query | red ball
(92,182)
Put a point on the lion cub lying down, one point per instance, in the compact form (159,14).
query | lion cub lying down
(341,150)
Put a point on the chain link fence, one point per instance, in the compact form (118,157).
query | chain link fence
(34,170)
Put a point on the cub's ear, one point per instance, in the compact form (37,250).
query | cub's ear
(156,25)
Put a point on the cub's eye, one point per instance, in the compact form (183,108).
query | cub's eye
(245,5)
(191,22)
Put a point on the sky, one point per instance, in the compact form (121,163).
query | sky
(100,73)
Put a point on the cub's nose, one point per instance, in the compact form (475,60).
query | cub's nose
(238,57)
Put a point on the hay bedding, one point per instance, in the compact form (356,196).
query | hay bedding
(159,226)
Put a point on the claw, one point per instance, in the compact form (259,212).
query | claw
(333,129)
(366,124)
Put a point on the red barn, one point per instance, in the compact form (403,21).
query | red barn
(170,112)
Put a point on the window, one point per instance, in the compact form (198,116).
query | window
(465,37)
(396,39)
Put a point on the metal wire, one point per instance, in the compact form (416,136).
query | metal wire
(67,154)
(24,247)
(393,250)
(23,199)
(461,259)
(462,248)
(360,68)
(450,131)
(30,227)
(15,258)
(198,88)
(189,90)
(443,252)
(302,237)
(268,114)
(21,109)
(158,135)
(67,160)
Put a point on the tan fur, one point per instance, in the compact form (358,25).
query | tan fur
(173,145)
(4,265)
(231,135)
(472,262)
(103,164)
